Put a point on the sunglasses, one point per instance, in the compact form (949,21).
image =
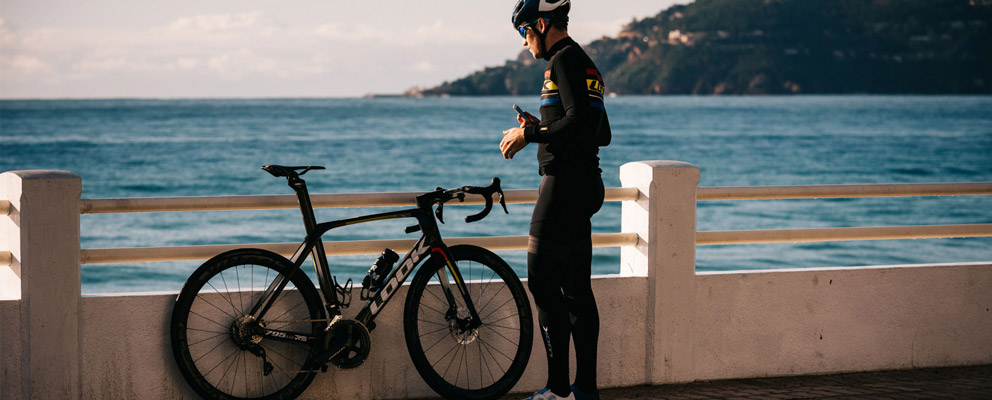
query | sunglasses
(523,28)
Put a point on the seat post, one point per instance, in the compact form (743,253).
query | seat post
(318,253)
(306,207)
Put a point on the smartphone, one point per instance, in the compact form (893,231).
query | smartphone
(520,111)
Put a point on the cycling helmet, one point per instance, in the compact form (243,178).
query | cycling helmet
(529,10)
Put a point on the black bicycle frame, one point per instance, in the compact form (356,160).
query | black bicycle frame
(430,243)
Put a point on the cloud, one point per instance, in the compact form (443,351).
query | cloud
(6,38)
(221,22)
(423,66)
(234,65)
(21,65)
(433,33)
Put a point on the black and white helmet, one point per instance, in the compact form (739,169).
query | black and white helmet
(527,11)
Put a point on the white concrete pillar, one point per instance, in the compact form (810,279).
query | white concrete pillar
(664,218)
(45,255)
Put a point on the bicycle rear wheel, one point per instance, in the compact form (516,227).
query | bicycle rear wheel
(222,351)
(482,363)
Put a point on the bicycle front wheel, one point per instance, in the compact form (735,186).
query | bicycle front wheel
(480,363)
(222,351)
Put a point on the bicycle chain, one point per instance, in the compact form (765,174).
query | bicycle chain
(331,320)
(298,320)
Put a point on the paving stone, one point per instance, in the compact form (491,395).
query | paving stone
(931,383)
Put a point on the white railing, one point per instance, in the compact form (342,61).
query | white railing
(214,203)
(265,202)
(843,191)
(333,248)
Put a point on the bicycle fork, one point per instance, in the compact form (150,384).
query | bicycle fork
(464,320)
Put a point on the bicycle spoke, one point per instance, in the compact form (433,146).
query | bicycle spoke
(278,318)
(222,295)
(439,299)
(458,368)
(432,309)
(514,328)
(491,347)
(478,347)
(234,377)
(445,326)
(485,286)
(445,355)
(501,335)
(207,331)
(482,355)
(219,362)
(457,349)
(237,277)
(493,298)
(228,291)
(244,365)
(500,306)
(215,306)
(297,365)
(222,334)
(435,343)
(208,319)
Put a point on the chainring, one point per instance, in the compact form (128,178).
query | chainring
(356,341)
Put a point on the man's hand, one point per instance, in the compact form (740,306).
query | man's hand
(513,141)
(530,120)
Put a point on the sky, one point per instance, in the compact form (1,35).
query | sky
(254,48)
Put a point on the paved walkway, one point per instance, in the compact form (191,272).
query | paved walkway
(931,383)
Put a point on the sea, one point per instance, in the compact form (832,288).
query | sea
(214,147)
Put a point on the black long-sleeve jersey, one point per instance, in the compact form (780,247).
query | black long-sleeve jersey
(573,116)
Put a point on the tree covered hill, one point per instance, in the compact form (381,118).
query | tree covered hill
(779,46)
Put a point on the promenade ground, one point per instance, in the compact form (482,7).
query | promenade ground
(931,383)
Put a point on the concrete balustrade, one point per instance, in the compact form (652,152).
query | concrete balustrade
(42,234)
(662,322)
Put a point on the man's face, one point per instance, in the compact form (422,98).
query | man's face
(532,43)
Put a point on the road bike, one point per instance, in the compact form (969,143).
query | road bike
(250,323)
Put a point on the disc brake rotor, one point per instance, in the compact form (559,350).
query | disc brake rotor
(461,335)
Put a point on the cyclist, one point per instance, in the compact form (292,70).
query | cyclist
(573,125)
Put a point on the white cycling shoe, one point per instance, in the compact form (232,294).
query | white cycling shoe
(546,394)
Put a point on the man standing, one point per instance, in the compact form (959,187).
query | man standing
(572,127)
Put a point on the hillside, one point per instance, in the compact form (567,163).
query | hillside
(779,46)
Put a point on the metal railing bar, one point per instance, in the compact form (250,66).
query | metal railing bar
(842,191)
(6,258)
(403,199)
(260,202)
(5,207)
(843,234)
(180,253)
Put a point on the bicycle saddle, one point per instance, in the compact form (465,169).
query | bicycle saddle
(279,170)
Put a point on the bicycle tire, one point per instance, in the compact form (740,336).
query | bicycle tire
(205,320)
(481,358)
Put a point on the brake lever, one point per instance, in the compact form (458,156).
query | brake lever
(502,200)
(499,191)
(439,212)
